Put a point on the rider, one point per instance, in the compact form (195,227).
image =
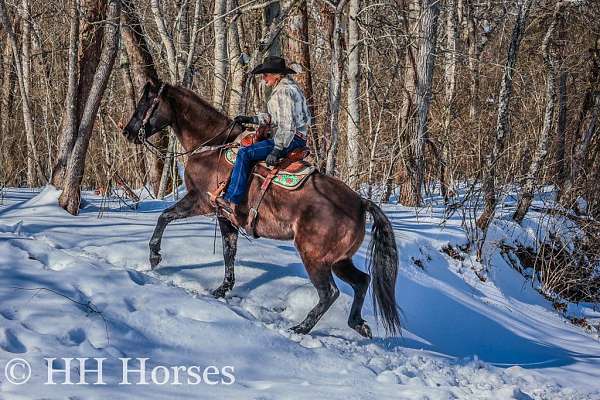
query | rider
(288,117)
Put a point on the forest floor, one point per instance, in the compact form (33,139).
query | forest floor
(81,287)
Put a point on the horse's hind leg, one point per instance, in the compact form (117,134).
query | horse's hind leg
(229,236)
(359,281)
(182,209)
(320,276)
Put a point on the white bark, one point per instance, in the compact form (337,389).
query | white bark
(550,62)
(502,124)
(220,54)
(166,39)
(236,65)
(335,89)
(353,123)
(27,115)
(430,11)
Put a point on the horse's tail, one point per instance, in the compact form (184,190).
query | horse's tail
(382,261)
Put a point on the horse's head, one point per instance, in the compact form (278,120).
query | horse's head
(152,114)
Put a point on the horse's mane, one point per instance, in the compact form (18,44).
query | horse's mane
(192,98)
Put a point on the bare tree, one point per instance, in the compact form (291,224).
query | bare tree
(143,69)
(220,53)
(88,46)
(430,11)
(353,74)
(450,73)
(237,59)
(70,198)
(502,124)
(550,62)
(585,130)
(298,51)
(23,79)
(335,88)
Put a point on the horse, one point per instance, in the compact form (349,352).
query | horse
(325,218)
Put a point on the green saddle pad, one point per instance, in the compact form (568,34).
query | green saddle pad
(284,179)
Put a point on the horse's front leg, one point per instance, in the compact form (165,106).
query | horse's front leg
(229,235)
(182,209)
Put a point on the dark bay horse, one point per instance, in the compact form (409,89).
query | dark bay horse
(325,218)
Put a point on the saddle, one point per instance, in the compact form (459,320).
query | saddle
(290,173)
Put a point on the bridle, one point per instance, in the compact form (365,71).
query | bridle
(149,113)
(141,134)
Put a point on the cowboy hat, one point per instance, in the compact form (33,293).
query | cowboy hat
(272,65)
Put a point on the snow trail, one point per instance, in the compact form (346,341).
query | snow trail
(463,338)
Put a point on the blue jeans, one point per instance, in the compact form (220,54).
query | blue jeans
(246,157)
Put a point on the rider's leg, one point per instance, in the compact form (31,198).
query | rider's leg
(246,157)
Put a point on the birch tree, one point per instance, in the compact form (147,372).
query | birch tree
(353,74)
(430,11)
(502,124)
(550,63)
(335,88)
(33,169)
(220,54)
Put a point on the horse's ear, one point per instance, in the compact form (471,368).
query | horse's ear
(154,83)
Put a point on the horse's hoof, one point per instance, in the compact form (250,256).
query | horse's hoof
(155,259)
(363,330)
(299,329)
(220,292)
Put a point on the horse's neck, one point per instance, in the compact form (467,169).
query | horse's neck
(198,125)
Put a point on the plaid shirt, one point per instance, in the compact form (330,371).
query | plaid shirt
(287,113)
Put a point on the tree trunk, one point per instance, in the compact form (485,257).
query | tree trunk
(450,81)
(582,138)
(143,70)
(298,51)
(502,124)
(169,45)
(335,89)
(271,12)
(407,108)
(71,196)
(430,11)
(167,40)
(353,74)
(265,43)
(220,54)
(8,85)
(27,112)
(188,75)
(90,42)
(561,128)
(550,62)
(236,61)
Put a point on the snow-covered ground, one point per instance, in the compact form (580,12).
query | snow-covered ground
(80,287)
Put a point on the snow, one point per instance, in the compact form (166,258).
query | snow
(90,294)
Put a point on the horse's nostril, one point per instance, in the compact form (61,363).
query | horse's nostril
(120,125)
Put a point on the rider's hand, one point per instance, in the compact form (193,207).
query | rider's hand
(273,157)
(245,119)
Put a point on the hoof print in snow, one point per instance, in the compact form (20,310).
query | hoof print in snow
(137,278)
(11,343)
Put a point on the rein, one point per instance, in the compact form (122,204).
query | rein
(157,151)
